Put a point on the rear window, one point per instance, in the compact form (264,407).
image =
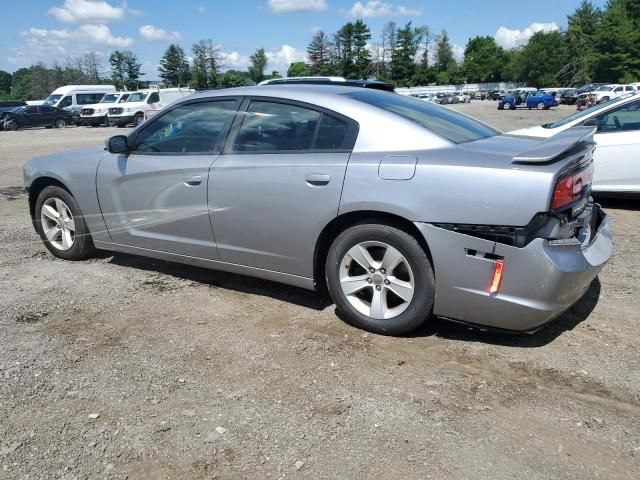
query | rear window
(444,122)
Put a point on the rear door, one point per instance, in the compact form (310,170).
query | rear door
(617,163)
(278,183)
(156,196)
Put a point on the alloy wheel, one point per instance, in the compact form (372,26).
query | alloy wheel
(58,224)
(377,280)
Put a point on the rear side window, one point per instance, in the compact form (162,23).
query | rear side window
(192,128)
(88,98)
(154,98)
(280,127)
(442,121)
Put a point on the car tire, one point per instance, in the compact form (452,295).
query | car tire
(138,119)
(540,106)
(60,123)
(11,125)
(61,226)
(393,302)
(506,106)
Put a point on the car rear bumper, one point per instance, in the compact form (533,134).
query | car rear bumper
(539,281)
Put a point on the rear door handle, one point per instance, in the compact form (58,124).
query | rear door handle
(317,179)
(193,180)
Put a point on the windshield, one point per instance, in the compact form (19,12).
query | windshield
(52,99)
(453,126)
(137,97)
(581,114)
(109,98)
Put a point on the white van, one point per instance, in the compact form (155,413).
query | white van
(143,102)
(96,114)
(73,97)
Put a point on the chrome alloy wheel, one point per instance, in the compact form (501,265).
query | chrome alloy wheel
(58,224)
(377,280)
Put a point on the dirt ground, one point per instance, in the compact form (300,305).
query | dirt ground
(125,367)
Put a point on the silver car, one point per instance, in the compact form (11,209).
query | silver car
(403,209)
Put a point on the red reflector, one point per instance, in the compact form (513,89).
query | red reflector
(498,267)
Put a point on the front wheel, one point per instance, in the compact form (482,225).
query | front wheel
(507,106)
(380,279)
(60,123)
(138,119)
(11,125)
(61,226)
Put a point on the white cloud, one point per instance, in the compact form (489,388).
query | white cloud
(233,60)
(296,6)
(510,38)
(49,46)
(281,59)
(87,11)
(157,34)
(458,52)
(377,8)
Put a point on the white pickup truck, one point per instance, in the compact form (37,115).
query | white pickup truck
(96,114)
(139,103)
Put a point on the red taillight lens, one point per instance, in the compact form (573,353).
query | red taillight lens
(571,187)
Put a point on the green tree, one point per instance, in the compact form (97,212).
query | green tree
(361,54)
(174,68)
(483,60)
(344,51)
(543,58)
(582,33)
(118,69)
(319,54)
(403,65)
(275,74)
(258,64)
(205,71)
(619,42)
(444,59)
(298,69)
(234,78)
(132,70)
(5,82)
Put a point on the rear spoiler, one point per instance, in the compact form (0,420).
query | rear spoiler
(555,146)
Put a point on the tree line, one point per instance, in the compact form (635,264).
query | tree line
(600,45)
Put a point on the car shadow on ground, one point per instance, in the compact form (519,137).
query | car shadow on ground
(437,327)
(579,312)
(230,281)
(630,202)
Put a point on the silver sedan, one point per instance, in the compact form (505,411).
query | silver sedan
(403,209)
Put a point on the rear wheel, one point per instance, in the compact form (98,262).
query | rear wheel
(60,123)
(380,279)
(61,225)
(540,106)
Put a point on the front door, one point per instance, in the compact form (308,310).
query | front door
(617,163)
(156,196)
(278,183)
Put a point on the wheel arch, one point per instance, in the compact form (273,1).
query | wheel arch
(350,219)
(39,184)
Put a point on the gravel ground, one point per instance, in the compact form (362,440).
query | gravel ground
(125,367)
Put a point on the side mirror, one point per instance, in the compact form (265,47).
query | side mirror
(591,122)
(117,144)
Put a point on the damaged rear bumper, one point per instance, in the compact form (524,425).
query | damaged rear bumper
(539,281)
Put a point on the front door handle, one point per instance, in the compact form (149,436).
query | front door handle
(193,180)
(317,179)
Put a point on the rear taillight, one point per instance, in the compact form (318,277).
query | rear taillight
(571,187)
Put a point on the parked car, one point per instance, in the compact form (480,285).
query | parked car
(572,96)
(538,100)
(143,102)
(452,98)
(617,138)
(463,97)
(427,97)
(97,114)
(568,97)
(402,208)
(606,93)
(35,116)
(482,95)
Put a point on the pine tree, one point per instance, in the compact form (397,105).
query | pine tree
(319,53)
(444,53)
(619,42)
(132,71)
(174,68)
(118,69)
(403,66)
(361,54)
(344,51)
(583,26)
(205,71)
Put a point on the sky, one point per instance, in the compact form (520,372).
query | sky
(50,31)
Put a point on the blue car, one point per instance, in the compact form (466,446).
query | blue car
(539,100)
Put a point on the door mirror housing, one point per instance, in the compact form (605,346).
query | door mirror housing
(117,144)
(591,122)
